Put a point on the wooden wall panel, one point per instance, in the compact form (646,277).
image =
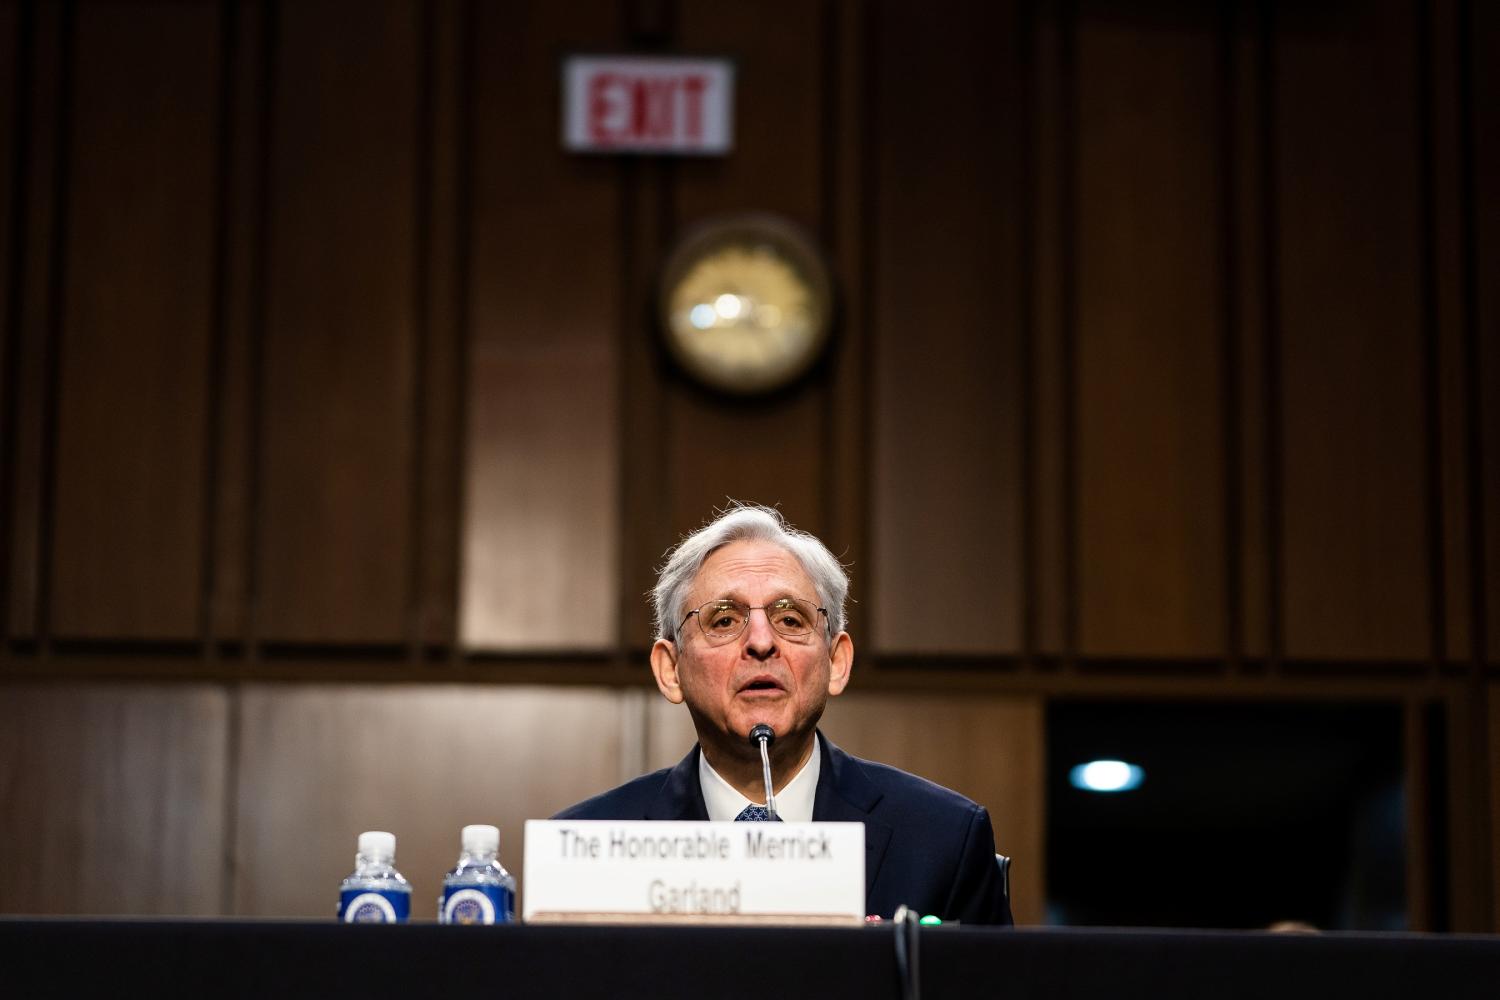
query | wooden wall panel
(990,748)
(336,474)
(320,764)
(1050,190)
(541,547)
(449,73)
(1150,473)
(778,48)
(1248,505)
(30,318)
(10,206)
(241,311)
(1483,297)
(1444,270)
(946,487)
(1347,148)
(12,209)
(1494,773)
(137,321)
(114,798)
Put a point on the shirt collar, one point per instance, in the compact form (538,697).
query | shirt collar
(794,803)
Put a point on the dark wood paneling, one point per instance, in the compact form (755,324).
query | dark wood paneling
(1051,194)
(137,316)
(1494,773)
(298,825)
(1483,295)
(335,528)
(778,48)
(241,313)
(1356,558)
(1246,246)
(13,137)
(542,539)
(946,490)
(848,131)
(114,798)
(1151,552)
(449,71)
(11,141)
(29,319)
(1443,281)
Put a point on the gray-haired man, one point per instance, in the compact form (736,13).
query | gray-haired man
(750,630)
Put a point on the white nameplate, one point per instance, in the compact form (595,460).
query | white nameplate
(603,871)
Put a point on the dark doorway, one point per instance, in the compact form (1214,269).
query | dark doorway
(1249,814)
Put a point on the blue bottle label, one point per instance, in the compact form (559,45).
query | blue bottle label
(478,904)
(369,906)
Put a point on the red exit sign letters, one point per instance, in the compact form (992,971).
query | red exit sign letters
(648,104)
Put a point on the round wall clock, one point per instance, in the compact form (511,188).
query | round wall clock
(746,303)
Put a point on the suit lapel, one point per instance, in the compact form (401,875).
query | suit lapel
(845,795)
(681,796)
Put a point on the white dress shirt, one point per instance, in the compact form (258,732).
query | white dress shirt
(794,803)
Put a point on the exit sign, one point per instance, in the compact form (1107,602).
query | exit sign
(648,104)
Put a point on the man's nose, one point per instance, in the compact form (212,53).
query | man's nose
(760,637)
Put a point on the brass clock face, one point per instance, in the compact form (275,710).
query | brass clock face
(745,303)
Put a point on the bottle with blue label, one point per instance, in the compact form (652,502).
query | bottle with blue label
(376,893)
(478,890)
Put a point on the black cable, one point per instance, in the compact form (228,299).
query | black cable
(907,926)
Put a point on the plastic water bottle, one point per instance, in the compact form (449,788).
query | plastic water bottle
(478,890)
(376,893)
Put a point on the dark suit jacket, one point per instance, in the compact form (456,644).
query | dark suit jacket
(925,846)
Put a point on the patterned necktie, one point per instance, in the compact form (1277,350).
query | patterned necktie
(756,814)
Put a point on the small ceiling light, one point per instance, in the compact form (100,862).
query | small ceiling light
(1106,776)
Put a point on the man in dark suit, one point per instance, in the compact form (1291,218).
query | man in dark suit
(925,846)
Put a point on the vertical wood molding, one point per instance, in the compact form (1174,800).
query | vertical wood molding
(38,293)
(848,229)
(17,79)
(1442,110)
(1269,284)
(1249,322)
(450,67)
(241,286)
(1479,33)
(1049,312)
(1416,768)
(1229,82)
(1068,324)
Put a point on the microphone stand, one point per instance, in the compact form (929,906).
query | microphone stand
(761,735)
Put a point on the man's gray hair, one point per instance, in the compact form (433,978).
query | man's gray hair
(747,522)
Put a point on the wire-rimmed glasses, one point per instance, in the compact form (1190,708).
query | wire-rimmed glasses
(723,620)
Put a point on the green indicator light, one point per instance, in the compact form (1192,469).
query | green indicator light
(930,920)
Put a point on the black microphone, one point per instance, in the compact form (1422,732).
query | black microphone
(761,735)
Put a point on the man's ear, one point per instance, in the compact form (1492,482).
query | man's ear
(840,664)
(664,666)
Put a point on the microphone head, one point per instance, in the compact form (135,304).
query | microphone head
(761,731)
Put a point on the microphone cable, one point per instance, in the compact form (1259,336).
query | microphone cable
(907,926)
(762,735)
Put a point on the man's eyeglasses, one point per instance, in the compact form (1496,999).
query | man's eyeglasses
(723,621)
